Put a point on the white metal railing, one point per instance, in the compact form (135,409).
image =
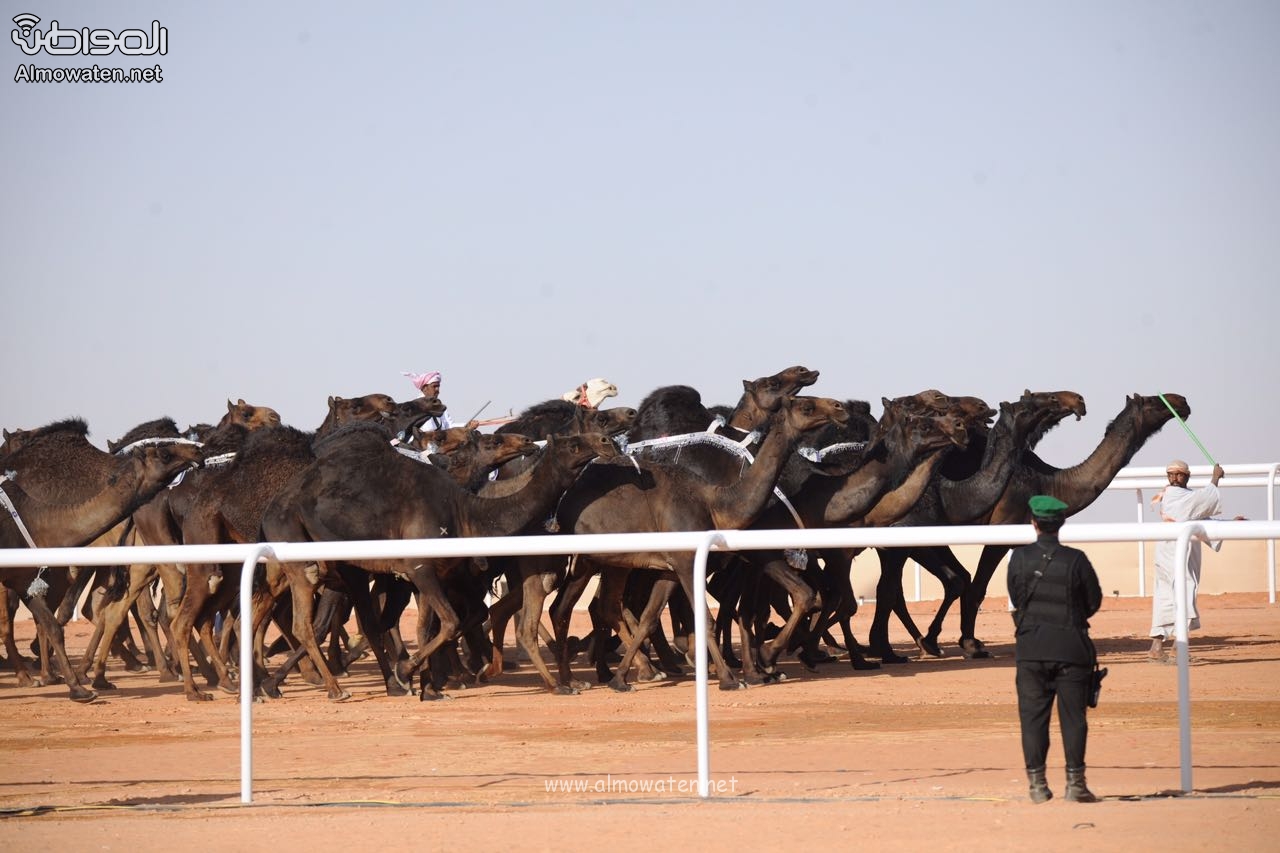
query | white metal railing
(699,542)
(1251,474)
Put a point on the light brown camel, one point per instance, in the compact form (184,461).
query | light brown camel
(131,480)
(158,522)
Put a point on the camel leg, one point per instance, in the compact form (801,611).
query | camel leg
(684,571)
(499,615)
(303,588)
(580,574)
(369,620)
(942,564)
(80,577)
(19,664)
(802,598)
(110,617)
(533,592)
(193,601)
(888,596)
(971,601)
(52,633)
(431,600)
(844,608)
(658,596)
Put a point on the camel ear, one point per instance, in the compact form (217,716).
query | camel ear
(231,407)
(1026,392)
(746,385)
(7,435)
(241,402)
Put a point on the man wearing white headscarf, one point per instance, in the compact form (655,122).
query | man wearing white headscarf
(1179,503)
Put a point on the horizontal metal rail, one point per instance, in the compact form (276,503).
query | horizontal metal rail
(699,542)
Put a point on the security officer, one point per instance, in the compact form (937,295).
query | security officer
(1054,591)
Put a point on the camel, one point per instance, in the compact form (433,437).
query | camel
(907,446)
(119,489)
(358,488)
(557,417)
(660,497)
(964,488)
(1139,419)
(159,522)
(229,504)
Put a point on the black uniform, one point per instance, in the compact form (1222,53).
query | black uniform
(1054,590)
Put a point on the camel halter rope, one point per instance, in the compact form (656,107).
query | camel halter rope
(796,558)
(210,462)
(38,586)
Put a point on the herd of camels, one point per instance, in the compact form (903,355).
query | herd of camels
(778,459)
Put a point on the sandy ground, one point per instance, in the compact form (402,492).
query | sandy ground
(923,754)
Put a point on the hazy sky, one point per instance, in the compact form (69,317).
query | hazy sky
(975,196)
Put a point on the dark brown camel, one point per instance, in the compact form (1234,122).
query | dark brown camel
(117,490)
(358,488)
(965,487)
(558,417)
(656,497)
(907,446)
(229,505)
(1079,486)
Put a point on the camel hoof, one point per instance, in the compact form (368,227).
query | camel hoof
(137,667)
(973,648)
(268,689)
(230,687)
(565,690)
(754,679)
(929,645)
(396,687)
(168,676)
(732,685)
(861,663)
(84,697)
(620,686)
(101,683)
(432,695)
(199,696)
(656,675)
(340,696)
(888,655)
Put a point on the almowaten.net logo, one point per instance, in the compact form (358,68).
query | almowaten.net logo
(54,40)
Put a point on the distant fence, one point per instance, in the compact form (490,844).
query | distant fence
(700,542)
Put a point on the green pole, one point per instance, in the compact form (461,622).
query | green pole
(1179,419)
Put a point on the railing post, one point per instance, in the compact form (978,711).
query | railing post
(1271,516)
(246,669)
(1142,553)
(700,640)
(1181,552)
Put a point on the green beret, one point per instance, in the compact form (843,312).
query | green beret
(1047,506)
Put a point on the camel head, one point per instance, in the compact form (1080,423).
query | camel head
(804,414)
(768,392)
(501,449)
(445,440)
(249,417)
(1047,409)
(160,463)
(608,421)
(1151,413)
(577,449)
(159,428)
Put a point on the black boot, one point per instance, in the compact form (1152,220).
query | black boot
(1039,790)
(1077,790)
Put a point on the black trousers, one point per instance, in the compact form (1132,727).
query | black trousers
(1039,682)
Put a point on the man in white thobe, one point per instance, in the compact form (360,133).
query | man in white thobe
(1179,503)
